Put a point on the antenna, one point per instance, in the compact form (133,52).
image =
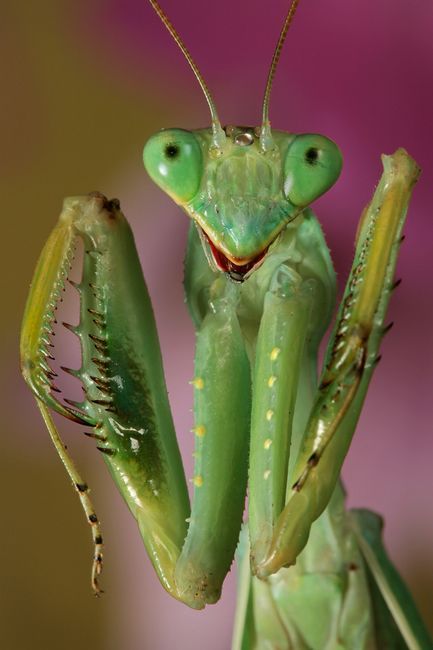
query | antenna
(218,133)
(265,134)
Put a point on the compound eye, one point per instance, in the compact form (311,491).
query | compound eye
(312,165)
(173,160)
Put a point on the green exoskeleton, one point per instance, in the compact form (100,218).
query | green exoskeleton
(260,288)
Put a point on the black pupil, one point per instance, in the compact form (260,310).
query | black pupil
(172,151)
(311,155)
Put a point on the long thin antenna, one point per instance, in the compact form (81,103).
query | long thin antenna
(218,134)
(266,136)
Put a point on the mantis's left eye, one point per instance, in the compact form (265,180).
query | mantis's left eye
(312,165)
(173,160)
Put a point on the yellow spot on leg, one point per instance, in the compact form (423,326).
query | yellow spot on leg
(269,415)
(198,383)
(271,381)
(274,353)
(267,443)
(267,474)
(198,481)
(199,430)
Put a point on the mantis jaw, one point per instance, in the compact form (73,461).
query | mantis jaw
(238,270)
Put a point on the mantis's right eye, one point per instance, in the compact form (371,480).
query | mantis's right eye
(173,160)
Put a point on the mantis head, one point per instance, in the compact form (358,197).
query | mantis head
(241,185)
(239,195)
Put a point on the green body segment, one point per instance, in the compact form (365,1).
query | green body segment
(125,387)
(391,598)
(280,345)
(222,377)
(45,292)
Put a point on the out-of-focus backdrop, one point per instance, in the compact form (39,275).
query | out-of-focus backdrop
(83,84)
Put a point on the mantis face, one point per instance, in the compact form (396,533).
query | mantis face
(240,196)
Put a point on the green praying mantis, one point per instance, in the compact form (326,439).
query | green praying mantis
(260,288)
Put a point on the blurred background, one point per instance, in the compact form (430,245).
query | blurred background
(84,84)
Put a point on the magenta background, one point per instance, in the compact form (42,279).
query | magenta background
(359,72)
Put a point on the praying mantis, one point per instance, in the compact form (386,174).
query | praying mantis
(260,288)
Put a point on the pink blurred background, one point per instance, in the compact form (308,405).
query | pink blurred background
(84,84)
